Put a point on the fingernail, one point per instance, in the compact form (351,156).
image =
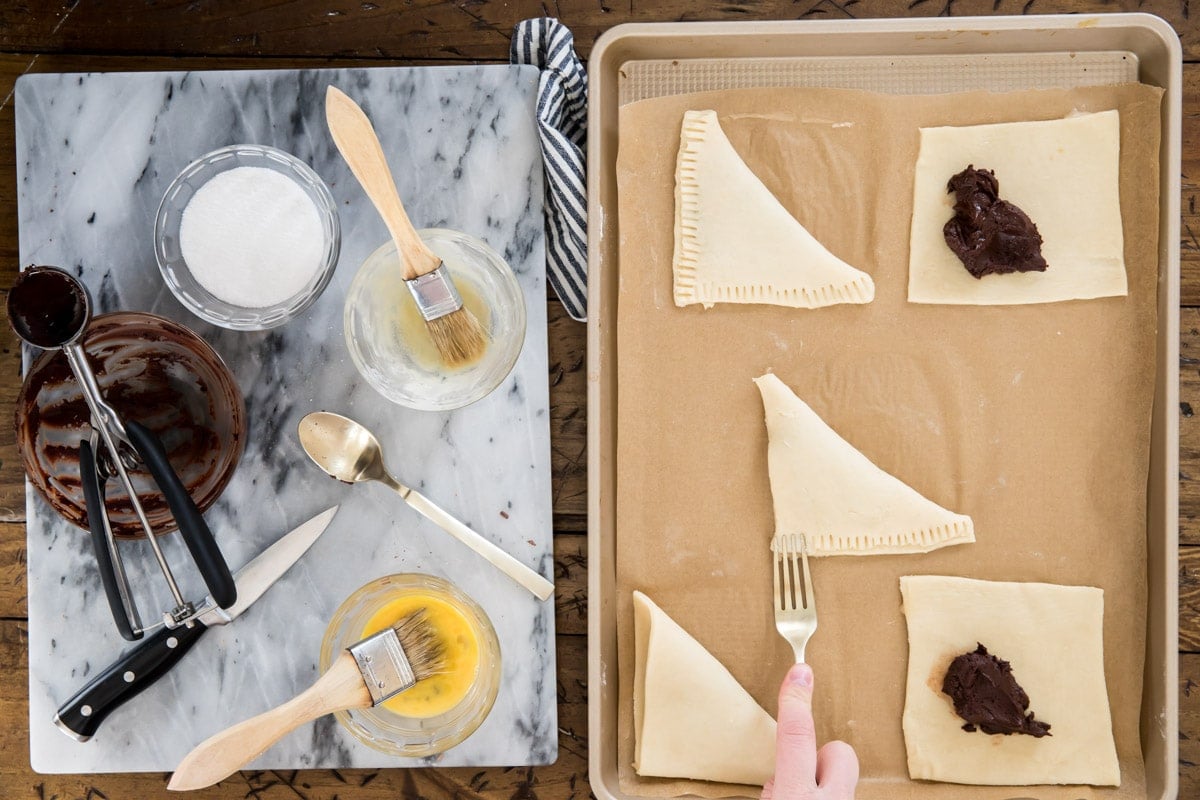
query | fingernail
(801,675)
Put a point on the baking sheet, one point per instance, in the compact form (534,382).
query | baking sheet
(1035,420)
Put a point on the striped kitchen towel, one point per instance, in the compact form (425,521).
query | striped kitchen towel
(562,126)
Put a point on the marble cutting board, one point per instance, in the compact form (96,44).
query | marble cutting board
(95,153)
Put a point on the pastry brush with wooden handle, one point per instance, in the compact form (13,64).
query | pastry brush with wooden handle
(456,333)
(364,675)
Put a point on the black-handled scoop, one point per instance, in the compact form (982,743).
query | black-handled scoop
(107,558)
(196,535)
(50,309)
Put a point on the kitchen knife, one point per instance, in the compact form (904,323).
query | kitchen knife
(141,666)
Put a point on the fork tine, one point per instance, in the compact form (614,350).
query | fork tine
(785,564)
(798,574)
(775,557)
(808,586)
(789,581)
(790,592)
(786,567)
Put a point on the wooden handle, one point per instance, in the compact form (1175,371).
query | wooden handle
(541,588)
(358,144)
(223,754)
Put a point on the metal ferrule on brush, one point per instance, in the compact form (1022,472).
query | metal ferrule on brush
(435,293)
(383,664)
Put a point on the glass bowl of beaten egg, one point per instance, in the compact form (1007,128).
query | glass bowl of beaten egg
(442,710)
(247,237)
(388,339)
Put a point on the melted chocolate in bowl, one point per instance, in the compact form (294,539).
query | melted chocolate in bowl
(151,370)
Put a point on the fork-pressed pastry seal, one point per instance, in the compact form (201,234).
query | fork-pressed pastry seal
(844,504)
(736,243)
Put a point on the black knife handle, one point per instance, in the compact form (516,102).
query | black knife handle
(196,535)
(135,670)
(93,496)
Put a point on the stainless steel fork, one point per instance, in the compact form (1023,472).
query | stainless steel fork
(795,605)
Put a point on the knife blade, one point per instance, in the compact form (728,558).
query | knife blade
(141,666)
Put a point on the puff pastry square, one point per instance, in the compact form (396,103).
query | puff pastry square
(736,243)
(1062,173)
(692,719)
(845,505)
(1053,638)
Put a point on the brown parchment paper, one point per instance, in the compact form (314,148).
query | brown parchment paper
(1035,420)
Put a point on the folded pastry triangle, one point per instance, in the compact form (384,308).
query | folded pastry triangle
(692,719)
(736,243)
(845,505)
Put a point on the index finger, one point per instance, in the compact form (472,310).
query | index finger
(796,736)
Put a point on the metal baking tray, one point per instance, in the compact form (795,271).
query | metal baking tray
(637,61)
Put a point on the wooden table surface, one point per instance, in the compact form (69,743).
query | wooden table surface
(77,35)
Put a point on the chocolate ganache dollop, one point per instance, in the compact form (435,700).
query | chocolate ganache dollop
(989,235)
(988,697)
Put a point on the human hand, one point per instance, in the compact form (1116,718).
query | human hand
(802,772)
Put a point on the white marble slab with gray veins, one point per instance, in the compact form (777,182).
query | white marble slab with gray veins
(94,155)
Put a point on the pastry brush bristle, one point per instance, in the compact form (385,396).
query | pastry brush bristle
(423,649)
(459,337)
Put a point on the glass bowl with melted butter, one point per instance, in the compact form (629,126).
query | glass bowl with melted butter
(391,346)
(443,709)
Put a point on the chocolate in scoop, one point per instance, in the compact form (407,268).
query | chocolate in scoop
(986,695)
(47,307)
(990,235)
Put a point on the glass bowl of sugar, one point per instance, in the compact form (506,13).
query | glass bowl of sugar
(247,237)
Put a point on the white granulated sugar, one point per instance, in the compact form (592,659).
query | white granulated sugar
(252,237)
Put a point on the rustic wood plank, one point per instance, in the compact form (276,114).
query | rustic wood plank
(1189,227)
(430,29)
(1189,426)
(13,598)
(568,419)
(12,474)
(570,583)
(1189,600)
(1189,726)
(565,779)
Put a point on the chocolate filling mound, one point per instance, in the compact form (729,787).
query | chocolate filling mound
(990,235)
(987,696)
